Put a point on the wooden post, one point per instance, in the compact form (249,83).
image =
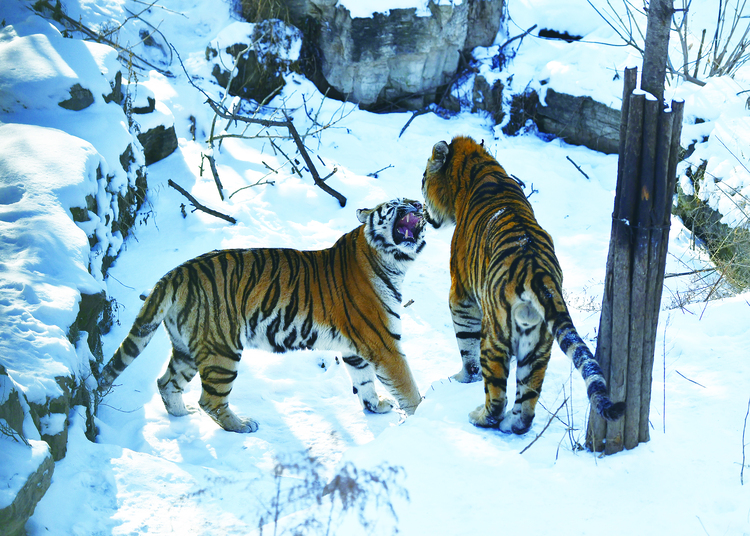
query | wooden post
(635,269)
(649,146)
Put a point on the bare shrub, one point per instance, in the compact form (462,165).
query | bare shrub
(713,47)
(350,490)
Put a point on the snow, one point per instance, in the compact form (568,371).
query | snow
(149,472)
(17,461)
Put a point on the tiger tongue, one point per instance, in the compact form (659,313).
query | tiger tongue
(406,225)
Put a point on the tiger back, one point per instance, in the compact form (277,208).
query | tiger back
(344,298)
(506,286)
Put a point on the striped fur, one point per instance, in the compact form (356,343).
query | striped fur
(506,286)
(345,298)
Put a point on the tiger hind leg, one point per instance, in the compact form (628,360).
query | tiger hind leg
(216,381)
(180,371)
(495,361)
(532,348)
(363,385)
(467,323)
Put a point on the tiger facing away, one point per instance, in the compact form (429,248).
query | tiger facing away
(506,286)
(344,298)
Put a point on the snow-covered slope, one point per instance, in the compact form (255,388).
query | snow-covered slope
(150,472)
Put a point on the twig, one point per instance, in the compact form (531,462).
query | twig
(545,426)
(330,174)
(374,174)
(693,272)
(519,36)
(295,136)
(744,428)
(311,167)
(294,166)
(413,116)
(688,379)
(664,376)
(215,173)
(578,167)
(711,293)
(198,205)
(222,112)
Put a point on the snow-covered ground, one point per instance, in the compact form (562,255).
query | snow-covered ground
(153,473)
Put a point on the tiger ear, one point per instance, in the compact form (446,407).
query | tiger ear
(362,214)
(439,156)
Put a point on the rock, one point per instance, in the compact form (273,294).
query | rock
(579,121)
(260,68)
(397,59)
(10,403)
(158,143)
(19,458)
(80,98)
(488,98)
(14,516)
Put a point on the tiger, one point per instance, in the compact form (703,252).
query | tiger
(345,298)
(506,286)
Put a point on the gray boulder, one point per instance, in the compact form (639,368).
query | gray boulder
(401,58)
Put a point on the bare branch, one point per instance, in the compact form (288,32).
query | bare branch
(214,172)
(527,447)
(198,205)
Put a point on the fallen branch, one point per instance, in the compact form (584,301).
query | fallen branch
(215,173)
(578,167)
(688,379)
(198,205)
(314,172)
(413,116)
(374,174)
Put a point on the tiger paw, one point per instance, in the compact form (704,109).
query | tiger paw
(480,417)
(383,405)
(241,425)
(463,376)
(515,424)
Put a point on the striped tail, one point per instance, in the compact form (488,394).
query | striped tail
(596,387)
(152,314)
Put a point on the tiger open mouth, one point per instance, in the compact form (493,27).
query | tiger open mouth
(408,226)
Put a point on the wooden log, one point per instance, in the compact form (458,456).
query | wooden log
(639,275)
(597,426)
(630,83)
(622,268)
(660,217)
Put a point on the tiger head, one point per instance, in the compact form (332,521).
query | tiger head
(442,181)
(395,228)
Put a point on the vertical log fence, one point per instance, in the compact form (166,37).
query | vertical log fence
(649,146)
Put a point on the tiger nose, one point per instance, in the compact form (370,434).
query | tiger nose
(417,205)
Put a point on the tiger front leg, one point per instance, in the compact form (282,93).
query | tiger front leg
(362,374)
(394,373)
(467,323)
(216,380)
(495,361)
